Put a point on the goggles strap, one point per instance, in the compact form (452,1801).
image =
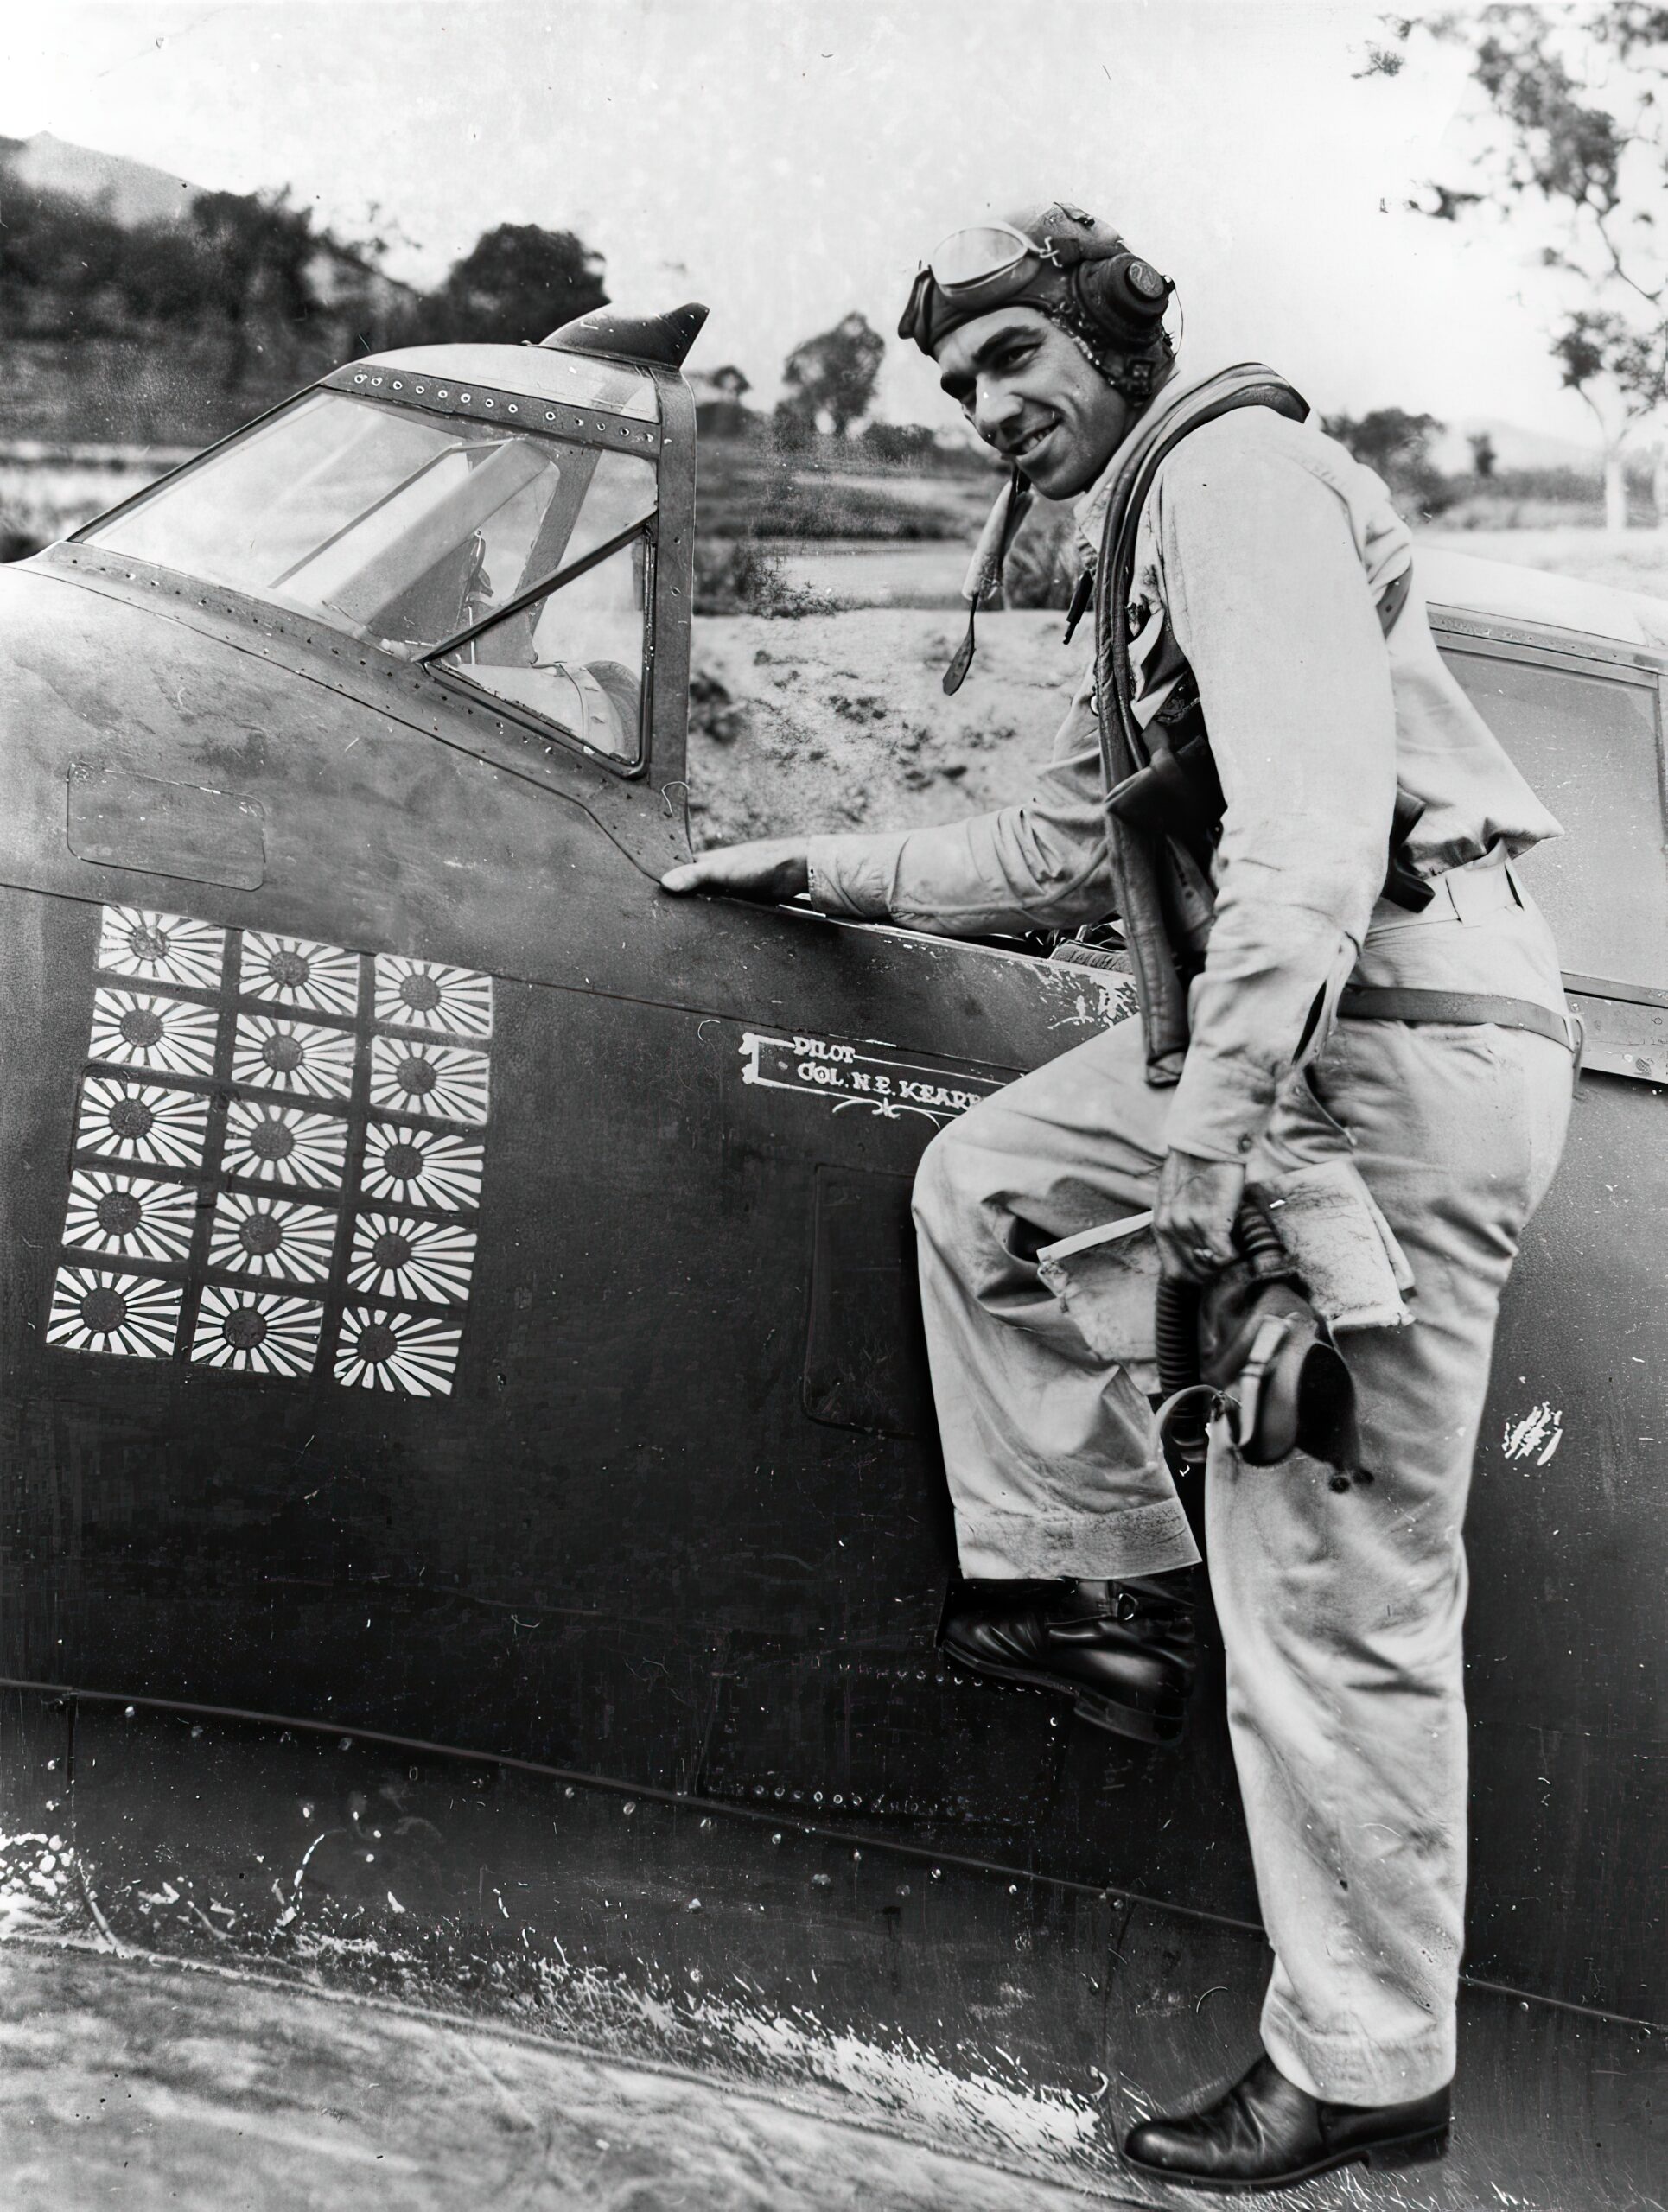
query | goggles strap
(985,578)
(1082,592)
(956,675)
(912,324)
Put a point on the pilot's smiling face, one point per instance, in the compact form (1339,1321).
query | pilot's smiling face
(1032,396)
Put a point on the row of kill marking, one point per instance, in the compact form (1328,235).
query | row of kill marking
(252,1332)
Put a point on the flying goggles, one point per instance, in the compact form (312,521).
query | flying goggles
(989,265)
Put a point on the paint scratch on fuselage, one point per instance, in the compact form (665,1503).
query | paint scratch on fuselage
(1537,1436)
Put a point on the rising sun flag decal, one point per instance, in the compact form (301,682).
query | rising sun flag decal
(278,1154)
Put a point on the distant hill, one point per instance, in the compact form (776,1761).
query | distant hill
(141,309)
(125,192)
(134,196)
(1514,447)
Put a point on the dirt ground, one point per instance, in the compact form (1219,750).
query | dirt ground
(137,2084)
(838,721)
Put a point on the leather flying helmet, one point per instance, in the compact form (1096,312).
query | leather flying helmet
(1071,267)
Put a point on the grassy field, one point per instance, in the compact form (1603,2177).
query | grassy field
(54,481)
(747,488)
(831,526)
(1632,560)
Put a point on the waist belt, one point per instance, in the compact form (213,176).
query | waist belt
(1376,1002)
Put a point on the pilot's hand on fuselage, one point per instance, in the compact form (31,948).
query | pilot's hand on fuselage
(768,868)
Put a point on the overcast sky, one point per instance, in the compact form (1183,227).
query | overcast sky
(789,160)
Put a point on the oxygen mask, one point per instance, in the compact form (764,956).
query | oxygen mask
(1250,1346)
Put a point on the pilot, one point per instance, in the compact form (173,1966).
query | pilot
(1251,572)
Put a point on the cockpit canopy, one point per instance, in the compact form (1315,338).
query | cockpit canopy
(505,538)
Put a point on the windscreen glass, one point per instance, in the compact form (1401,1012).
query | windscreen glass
(576,657)
(400,528)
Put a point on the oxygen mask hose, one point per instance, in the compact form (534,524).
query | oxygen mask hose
(1175,1334)
(1259,1241)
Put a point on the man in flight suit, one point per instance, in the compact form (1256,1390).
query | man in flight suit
(1266,565)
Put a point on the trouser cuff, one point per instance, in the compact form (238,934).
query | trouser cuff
(1139,1540)
(1351,2069)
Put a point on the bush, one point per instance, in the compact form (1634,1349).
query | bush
(1425,491)
(1396,444)
(1044,560)
(734,576)
(17,541)
(910,444)
(792,427)
(1574,487)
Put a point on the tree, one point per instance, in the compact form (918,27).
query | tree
(249,275)
(160,274)
(831,377)
(58,261)
(720,410)
(1621,371)
(517,282)
(1575,119)
(254,252)
(1397,445)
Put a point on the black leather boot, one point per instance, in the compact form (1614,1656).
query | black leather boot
(1265,2132)
(1123,1652)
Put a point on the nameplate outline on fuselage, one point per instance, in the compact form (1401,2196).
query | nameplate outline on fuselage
(888,1082)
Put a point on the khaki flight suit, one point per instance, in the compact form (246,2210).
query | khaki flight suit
(1263,546)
